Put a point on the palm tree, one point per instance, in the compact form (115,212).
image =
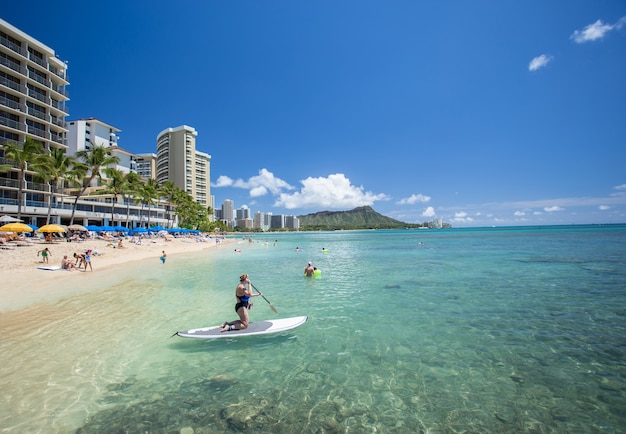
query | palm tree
(28,156)
(95,159)
(57,170)
(132,186)
(149,193)
(167,190)
(114,185)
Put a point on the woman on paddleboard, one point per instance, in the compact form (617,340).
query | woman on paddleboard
(243,294)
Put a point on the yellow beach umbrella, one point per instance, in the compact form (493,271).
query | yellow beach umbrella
(51,228)
(16,227)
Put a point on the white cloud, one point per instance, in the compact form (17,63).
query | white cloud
(597,30)
(620,187)
(414,198)
(429,212)
(553,208)
(223,181)
(604,207)
(539,62)
(519,213)
(335,191)
(260,185)
(462,217)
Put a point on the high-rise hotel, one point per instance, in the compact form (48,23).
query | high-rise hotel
(33,98)
(179,162)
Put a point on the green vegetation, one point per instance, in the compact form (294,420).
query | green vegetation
(363,217)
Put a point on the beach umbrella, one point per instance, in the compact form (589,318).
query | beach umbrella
(121,229)
(94,228)
(51,228)
(33,227)
(76,227)
(16,227)
(9,219)
(140,230)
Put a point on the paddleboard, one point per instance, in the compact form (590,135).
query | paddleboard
(50,268)
(254,328)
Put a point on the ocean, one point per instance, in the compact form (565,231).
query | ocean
(490,330)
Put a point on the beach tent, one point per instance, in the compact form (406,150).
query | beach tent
(9,219)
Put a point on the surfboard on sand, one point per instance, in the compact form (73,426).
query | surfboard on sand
(254,328)
(50,267)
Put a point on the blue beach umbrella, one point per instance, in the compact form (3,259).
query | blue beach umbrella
(94,228)
(121,229)
(140,230)
(33,227)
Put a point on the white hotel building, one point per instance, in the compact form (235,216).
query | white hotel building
(33,96)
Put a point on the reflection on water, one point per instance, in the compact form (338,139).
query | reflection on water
(468,332)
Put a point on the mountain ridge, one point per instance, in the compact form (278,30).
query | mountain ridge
(362,217)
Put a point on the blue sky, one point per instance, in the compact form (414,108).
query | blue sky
(482,112)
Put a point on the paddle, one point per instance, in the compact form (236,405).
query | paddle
(268,302)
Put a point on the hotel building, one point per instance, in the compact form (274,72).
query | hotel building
(33,96)
(179,162)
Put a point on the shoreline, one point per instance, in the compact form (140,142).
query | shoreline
(24,284)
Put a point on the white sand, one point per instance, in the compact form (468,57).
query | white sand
(23,284)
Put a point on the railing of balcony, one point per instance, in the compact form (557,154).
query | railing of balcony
(7,201)
(37,132)
(10,103)
(37,114)
(30,185)
(12,124)
(12,45)
(38,95)
(11,84)
(38,60)
(56,138)
(11,64)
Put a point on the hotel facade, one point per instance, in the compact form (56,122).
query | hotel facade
(33,97)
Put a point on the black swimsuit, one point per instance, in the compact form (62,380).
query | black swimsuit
(243,302)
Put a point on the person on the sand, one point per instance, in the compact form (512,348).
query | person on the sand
(243,294)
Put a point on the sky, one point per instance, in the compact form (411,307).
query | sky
(481,113)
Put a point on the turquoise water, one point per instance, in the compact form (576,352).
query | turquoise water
(463,330)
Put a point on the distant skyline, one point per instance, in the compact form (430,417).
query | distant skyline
(479,113)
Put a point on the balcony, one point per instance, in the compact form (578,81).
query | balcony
(11,84)
(12,46)
(10,64)
(12,124)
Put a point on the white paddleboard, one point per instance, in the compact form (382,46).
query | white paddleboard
(254,328)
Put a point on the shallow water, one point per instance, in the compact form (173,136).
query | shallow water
(482,330)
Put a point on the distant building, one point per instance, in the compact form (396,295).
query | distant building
(146,165)
(228,213)
(179,162)
(258,221)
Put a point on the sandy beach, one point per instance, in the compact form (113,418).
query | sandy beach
(24,283)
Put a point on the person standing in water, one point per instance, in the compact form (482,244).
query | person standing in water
(243,294)
(163,256)
(309,269)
